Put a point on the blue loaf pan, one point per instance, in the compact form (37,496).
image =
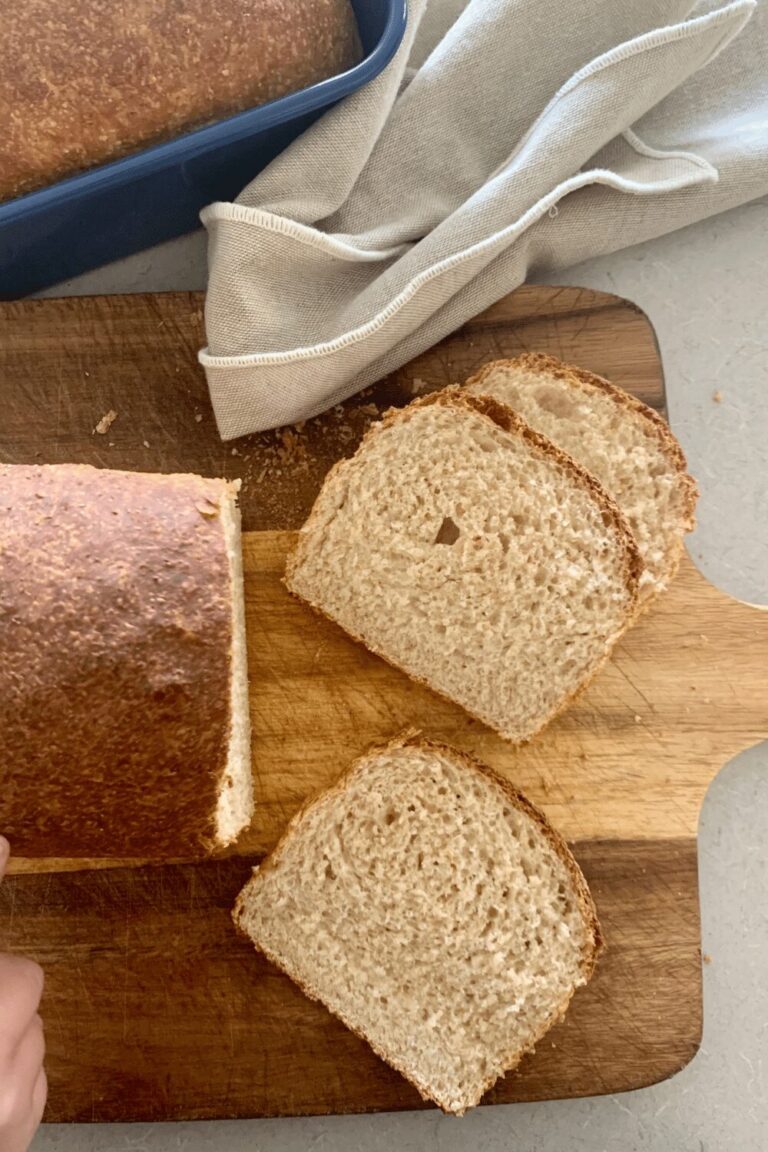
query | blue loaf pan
(154,195)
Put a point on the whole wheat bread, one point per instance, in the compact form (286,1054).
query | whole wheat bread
(124,726)
(84,82)
(470,552)
(427,904)
(623,443)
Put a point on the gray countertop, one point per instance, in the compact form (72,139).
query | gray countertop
(705,289)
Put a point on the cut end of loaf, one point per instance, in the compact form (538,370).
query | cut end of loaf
(467,550)
(625,445)
(427,904)
(234,809)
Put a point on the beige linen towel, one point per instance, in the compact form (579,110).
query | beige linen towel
(506,137)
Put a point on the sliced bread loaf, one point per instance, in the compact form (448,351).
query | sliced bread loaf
(427,904)
(124,725)
(470,552)
(623,443)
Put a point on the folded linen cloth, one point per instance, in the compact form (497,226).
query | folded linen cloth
(506,137)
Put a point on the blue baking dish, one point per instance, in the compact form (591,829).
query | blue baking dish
(133,203)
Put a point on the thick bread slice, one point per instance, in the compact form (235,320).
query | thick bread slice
(467,550)
(124,726)
(623,443)
(434,910)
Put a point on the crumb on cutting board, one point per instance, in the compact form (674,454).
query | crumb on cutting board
(105,423)
(717,397)
(418,386)
(288,464)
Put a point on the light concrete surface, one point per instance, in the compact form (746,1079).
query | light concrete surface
(706,291)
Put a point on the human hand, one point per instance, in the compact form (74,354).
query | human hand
(23,1086)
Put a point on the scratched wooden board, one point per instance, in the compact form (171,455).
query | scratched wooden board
(67,363)
(154,1009)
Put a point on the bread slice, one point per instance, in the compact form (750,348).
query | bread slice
(622,442)
(124,719)
(470,552)
(434,910)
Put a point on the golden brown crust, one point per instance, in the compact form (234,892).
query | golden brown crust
(510,422)
(411,738)
(114,661)
(87,81)
(580,377)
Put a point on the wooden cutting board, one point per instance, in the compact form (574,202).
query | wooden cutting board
(154,1009)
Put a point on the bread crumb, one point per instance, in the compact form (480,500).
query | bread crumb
(105,423)
(717,397)
(198,416)
(706,958)
(145,443)
(235,452)
(418,385)
(369,410)
(638,719)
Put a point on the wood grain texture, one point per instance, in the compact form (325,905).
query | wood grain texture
(156,1010)
(631,758)
(67,363)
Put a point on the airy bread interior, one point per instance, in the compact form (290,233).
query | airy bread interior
(234,809)
(625,445)
(432,909)
(472,555)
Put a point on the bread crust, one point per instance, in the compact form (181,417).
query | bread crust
(656,426)
(509,421)
(412,738)
(126,91)
(114,727)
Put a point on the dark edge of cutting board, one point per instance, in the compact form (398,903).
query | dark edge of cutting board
(143,966)
(137,356)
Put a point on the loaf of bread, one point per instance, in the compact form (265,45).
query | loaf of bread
(470,552)
(623,443)
(434,910)
(87,81)
(124,726)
